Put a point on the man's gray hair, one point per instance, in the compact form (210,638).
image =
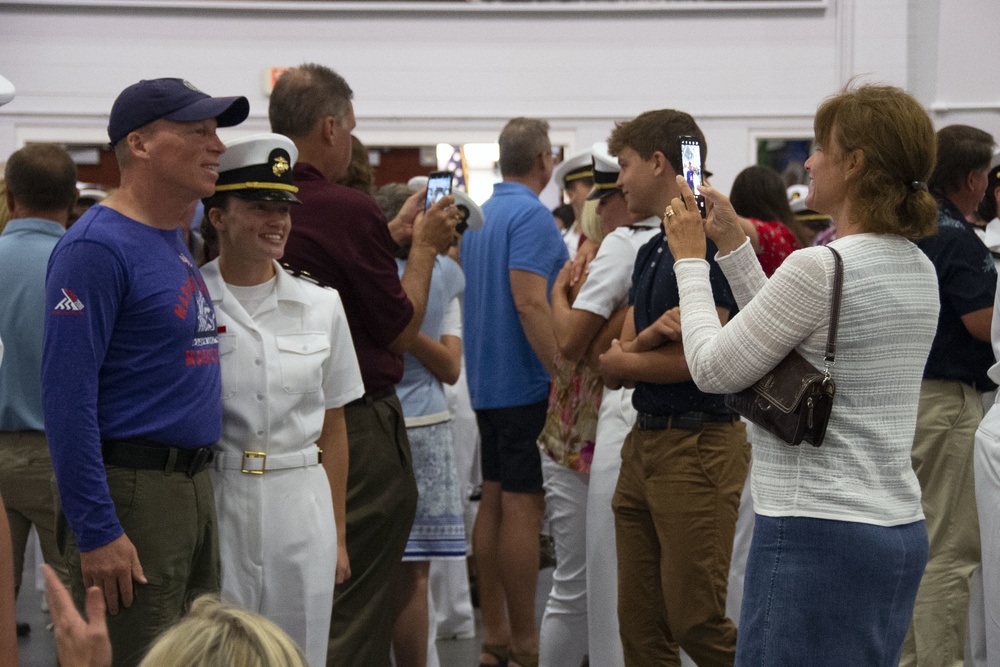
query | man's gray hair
(521,142)
(304,95)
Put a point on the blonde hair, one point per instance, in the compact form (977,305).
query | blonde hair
(590,222)
(219,635)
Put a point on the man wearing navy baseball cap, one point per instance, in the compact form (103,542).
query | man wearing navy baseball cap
(131,389)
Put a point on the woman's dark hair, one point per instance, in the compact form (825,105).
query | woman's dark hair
(564,213)
(988,207)
(759,192)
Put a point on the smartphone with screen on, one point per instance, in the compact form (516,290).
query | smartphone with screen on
(438,185)
(692,168)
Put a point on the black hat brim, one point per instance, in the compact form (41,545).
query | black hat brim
(260,194)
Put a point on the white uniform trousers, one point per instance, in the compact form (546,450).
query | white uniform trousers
(614,422)
(278,549)
(987,480)
(563,632)
(741,549)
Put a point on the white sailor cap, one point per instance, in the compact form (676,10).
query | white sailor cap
(6,91)
(258,167)
(472,215)
(797,201)
(606,170)
(91,191)
(797,197)
(575,167)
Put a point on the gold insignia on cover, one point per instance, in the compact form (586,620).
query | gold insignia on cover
(280,166)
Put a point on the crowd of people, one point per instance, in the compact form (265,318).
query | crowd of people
(254,444)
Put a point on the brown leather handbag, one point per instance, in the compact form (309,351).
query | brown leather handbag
(793,401)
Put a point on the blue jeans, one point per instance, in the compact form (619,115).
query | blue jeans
(822,592)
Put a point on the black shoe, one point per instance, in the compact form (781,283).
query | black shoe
(23,629)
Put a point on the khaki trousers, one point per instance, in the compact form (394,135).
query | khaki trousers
(170,519)
(675,510)
(27,491)
(943,446)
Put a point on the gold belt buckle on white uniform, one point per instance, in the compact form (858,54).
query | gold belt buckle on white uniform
(254,463)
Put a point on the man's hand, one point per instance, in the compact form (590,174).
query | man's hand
(436,227)
(343,562)
(112,569)
(581,262)
(563,286)
(665,329)
(79,642)
(612,366)
(401,227)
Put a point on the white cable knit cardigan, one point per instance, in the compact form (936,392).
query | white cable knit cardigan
(887,323)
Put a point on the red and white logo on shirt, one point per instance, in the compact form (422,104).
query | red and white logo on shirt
(69,302)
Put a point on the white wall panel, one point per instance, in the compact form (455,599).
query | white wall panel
(742,74)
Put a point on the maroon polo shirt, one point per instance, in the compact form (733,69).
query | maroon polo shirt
(340,237)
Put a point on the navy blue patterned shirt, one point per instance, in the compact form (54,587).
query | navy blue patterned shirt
(967,281)
(654,292)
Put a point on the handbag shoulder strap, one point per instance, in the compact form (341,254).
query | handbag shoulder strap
(838,287)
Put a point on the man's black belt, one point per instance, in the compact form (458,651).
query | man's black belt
(687,421)
(145,455)
(372,396)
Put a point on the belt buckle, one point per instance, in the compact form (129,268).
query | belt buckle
(253,456)
(201,458)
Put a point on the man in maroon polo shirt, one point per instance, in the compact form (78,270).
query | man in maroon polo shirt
(340,238)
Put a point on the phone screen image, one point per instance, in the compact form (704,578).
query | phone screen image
(438,185)
(692,169)
(691,163)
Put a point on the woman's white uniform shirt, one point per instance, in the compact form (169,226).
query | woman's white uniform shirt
(282,368)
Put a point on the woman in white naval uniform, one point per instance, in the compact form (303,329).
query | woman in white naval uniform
(288,368)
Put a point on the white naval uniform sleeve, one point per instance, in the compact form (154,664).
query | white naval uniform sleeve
(342,381)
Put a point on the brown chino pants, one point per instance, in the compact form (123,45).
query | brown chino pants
(675,510)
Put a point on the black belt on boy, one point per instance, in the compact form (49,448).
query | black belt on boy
(686,421)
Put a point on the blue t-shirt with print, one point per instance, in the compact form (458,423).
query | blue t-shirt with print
(519,234)
(130,351)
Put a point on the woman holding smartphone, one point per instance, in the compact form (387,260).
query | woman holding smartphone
(839,542)
(288,368)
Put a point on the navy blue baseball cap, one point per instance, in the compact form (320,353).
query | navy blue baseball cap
(173,99)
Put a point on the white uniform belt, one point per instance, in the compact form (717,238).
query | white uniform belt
(257,463)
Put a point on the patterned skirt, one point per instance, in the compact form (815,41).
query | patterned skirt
(439,528)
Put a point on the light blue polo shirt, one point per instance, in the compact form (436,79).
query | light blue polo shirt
(519,234)
(25,246)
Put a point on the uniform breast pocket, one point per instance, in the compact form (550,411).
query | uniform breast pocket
(301,357)
(228,344)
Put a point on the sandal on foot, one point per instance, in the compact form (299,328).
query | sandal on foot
(524,659)
(498,651)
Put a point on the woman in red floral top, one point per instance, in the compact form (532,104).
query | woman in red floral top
(758,194)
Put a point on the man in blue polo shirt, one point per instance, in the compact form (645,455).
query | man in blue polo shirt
(131,389)
(41,191)
(510,265)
